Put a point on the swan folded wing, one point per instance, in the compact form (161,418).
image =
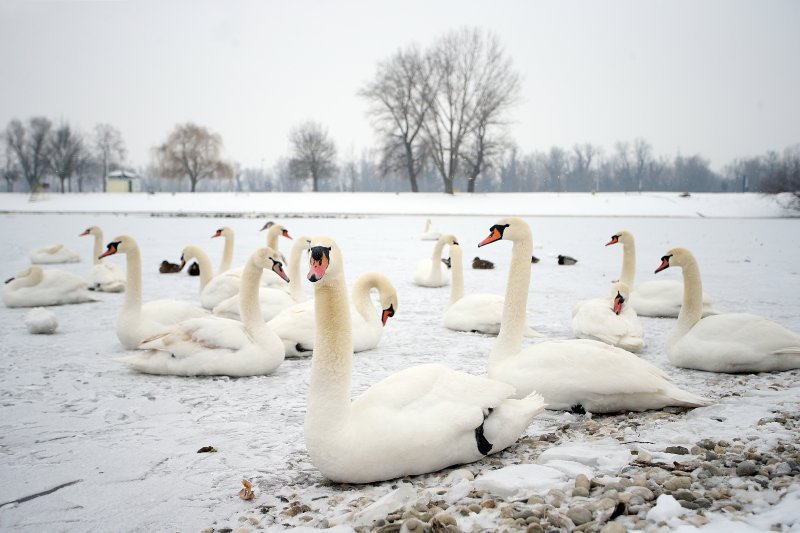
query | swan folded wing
(170,311)
(207,333)
(596,318)
(743,338)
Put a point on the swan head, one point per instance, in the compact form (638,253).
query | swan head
(189,252)
(269,259)
(619,295)
(449,240)
(224,231)
(676,257)
(91,230)
(623,236)
(325,261)
(274,227)
(509,229)
(122,244)
(388,300)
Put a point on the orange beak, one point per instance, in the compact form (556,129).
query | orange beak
(614,240)
(664,265)
(387,313)
(494,236)
(286,234)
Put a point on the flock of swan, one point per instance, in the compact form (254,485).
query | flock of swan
(247,320)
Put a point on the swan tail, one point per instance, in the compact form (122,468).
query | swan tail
(789,350)
(683,398)
(508,421)
(533,333)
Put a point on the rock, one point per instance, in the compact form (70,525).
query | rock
(708,444)
(579,515)
(581,481)
(412,525)
(444,519)
(746,468)
(677,482)
(683,494)
(678,450)
(580,492)
(488,504)
(535,528)
(475,508)
(643,492)
(533,500)
(614,527)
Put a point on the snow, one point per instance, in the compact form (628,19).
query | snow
(41,321)
(667,507)
(118,449)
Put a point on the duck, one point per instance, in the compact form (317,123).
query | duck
(566,260)
(656,298)
(214,346)
(169,268)
(56,253)
(105,277)
(478,313)
(726,342)
(428,234)
(418,420)
(296,325)
(273,301)
(580,375)
(194,269)
(37,287)
(482,264)
(610,320)
(431,272)
(137,321)
(227,233)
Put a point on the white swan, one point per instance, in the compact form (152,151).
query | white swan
(475,312)
(105,277)
(213,289)
(573,374)
(729,342)
(36,287)
(136,322)
(419,420)
(610,320)
(432,272)
(211,346)
(273,301)
(296,326)
(428,234)
(227,252)
(658,298)
(56,253)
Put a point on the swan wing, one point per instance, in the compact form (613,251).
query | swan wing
(195,335)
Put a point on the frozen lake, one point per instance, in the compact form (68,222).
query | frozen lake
(126,443)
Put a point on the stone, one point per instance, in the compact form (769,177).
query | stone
(582,481)
(488,504)
(535,528)
(678,482)
(533,500)
(614,527)
(746,468)
(708,444)
(782,469)
(444,519)
(643,492)
(678,450)
(580,492)
(412,525)
(475,508)
(579,515)
(683,494)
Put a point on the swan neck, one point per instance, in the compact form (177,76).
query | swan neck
(227,255)
(249,304)
(295,285)
(692,306)
(457,266)
(98,248)
(332,360)
(206,270)
(628,273)
(513,322)
(133,290)
(361,300)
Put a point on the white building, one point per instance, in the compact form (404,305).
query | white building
(123,181)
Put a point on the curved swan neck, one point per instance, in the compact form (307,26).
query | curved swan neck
(133,291)
(249,304)
(456,264)
(227,253)
(295,285)
(34,277)
(512,323)
(332,360)
(628,274)
(98,246)
(360,295)
(206,270)
(273,232)
(692,306)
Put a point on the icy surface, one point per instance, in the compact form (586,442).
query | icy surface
(86,444)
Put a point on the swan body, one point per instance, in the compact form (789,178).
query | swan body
(656,298)
(36,287)
(431,272)
(296,326)
(136,321)
(428,234)
(105,277)
(218,346)
(570,374)
(480,313)
(419,420)
(56,253)
(728,342)
(610,320)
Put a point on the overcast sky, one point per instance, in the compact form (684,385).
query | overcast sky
(719,78)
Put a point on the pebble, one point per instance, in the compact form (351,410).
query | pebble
(580,492)
(475,508)
(488,504)
(581,481)
(614,527)
(746,468)
(579,515)
(444,519)
(782,469)
(413,525)
(535,528)
(679,450)
(677,482)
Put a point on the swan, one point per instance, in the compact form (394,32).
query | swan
(610,320)
(210,346)
(475,312)
(275,230)
(431,272)
(728,342)
(105,277)
(273,301)
(428,234)
(36,287)
(226,233)
(418,420)
(136,322)
(577,374)
(658,298)
(296,325)
(213,289)
(56,253)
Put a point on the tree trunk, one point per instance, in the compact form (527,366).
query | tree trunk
(448,186)
(471,185)
(412,176)
(314,182)
(63,179)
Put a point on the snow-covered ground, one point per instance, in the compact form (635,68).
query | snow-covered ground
(86,444)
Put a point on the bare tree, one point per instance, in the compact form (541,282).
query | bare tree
(555,167)
(192,151)
(10,171)
(398,110)
(65,153)
(110,148)
(472,87)
(313,154)
(29,147)
(583,177)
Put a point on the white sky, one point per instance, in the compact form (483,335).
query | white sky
(720,78)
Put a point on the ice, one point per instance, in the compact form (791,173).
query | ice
(396,500)
(41,321)
(603,456)
(520,481)
(667,507)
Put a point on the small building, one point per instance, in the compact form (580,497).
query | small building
(123,181)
